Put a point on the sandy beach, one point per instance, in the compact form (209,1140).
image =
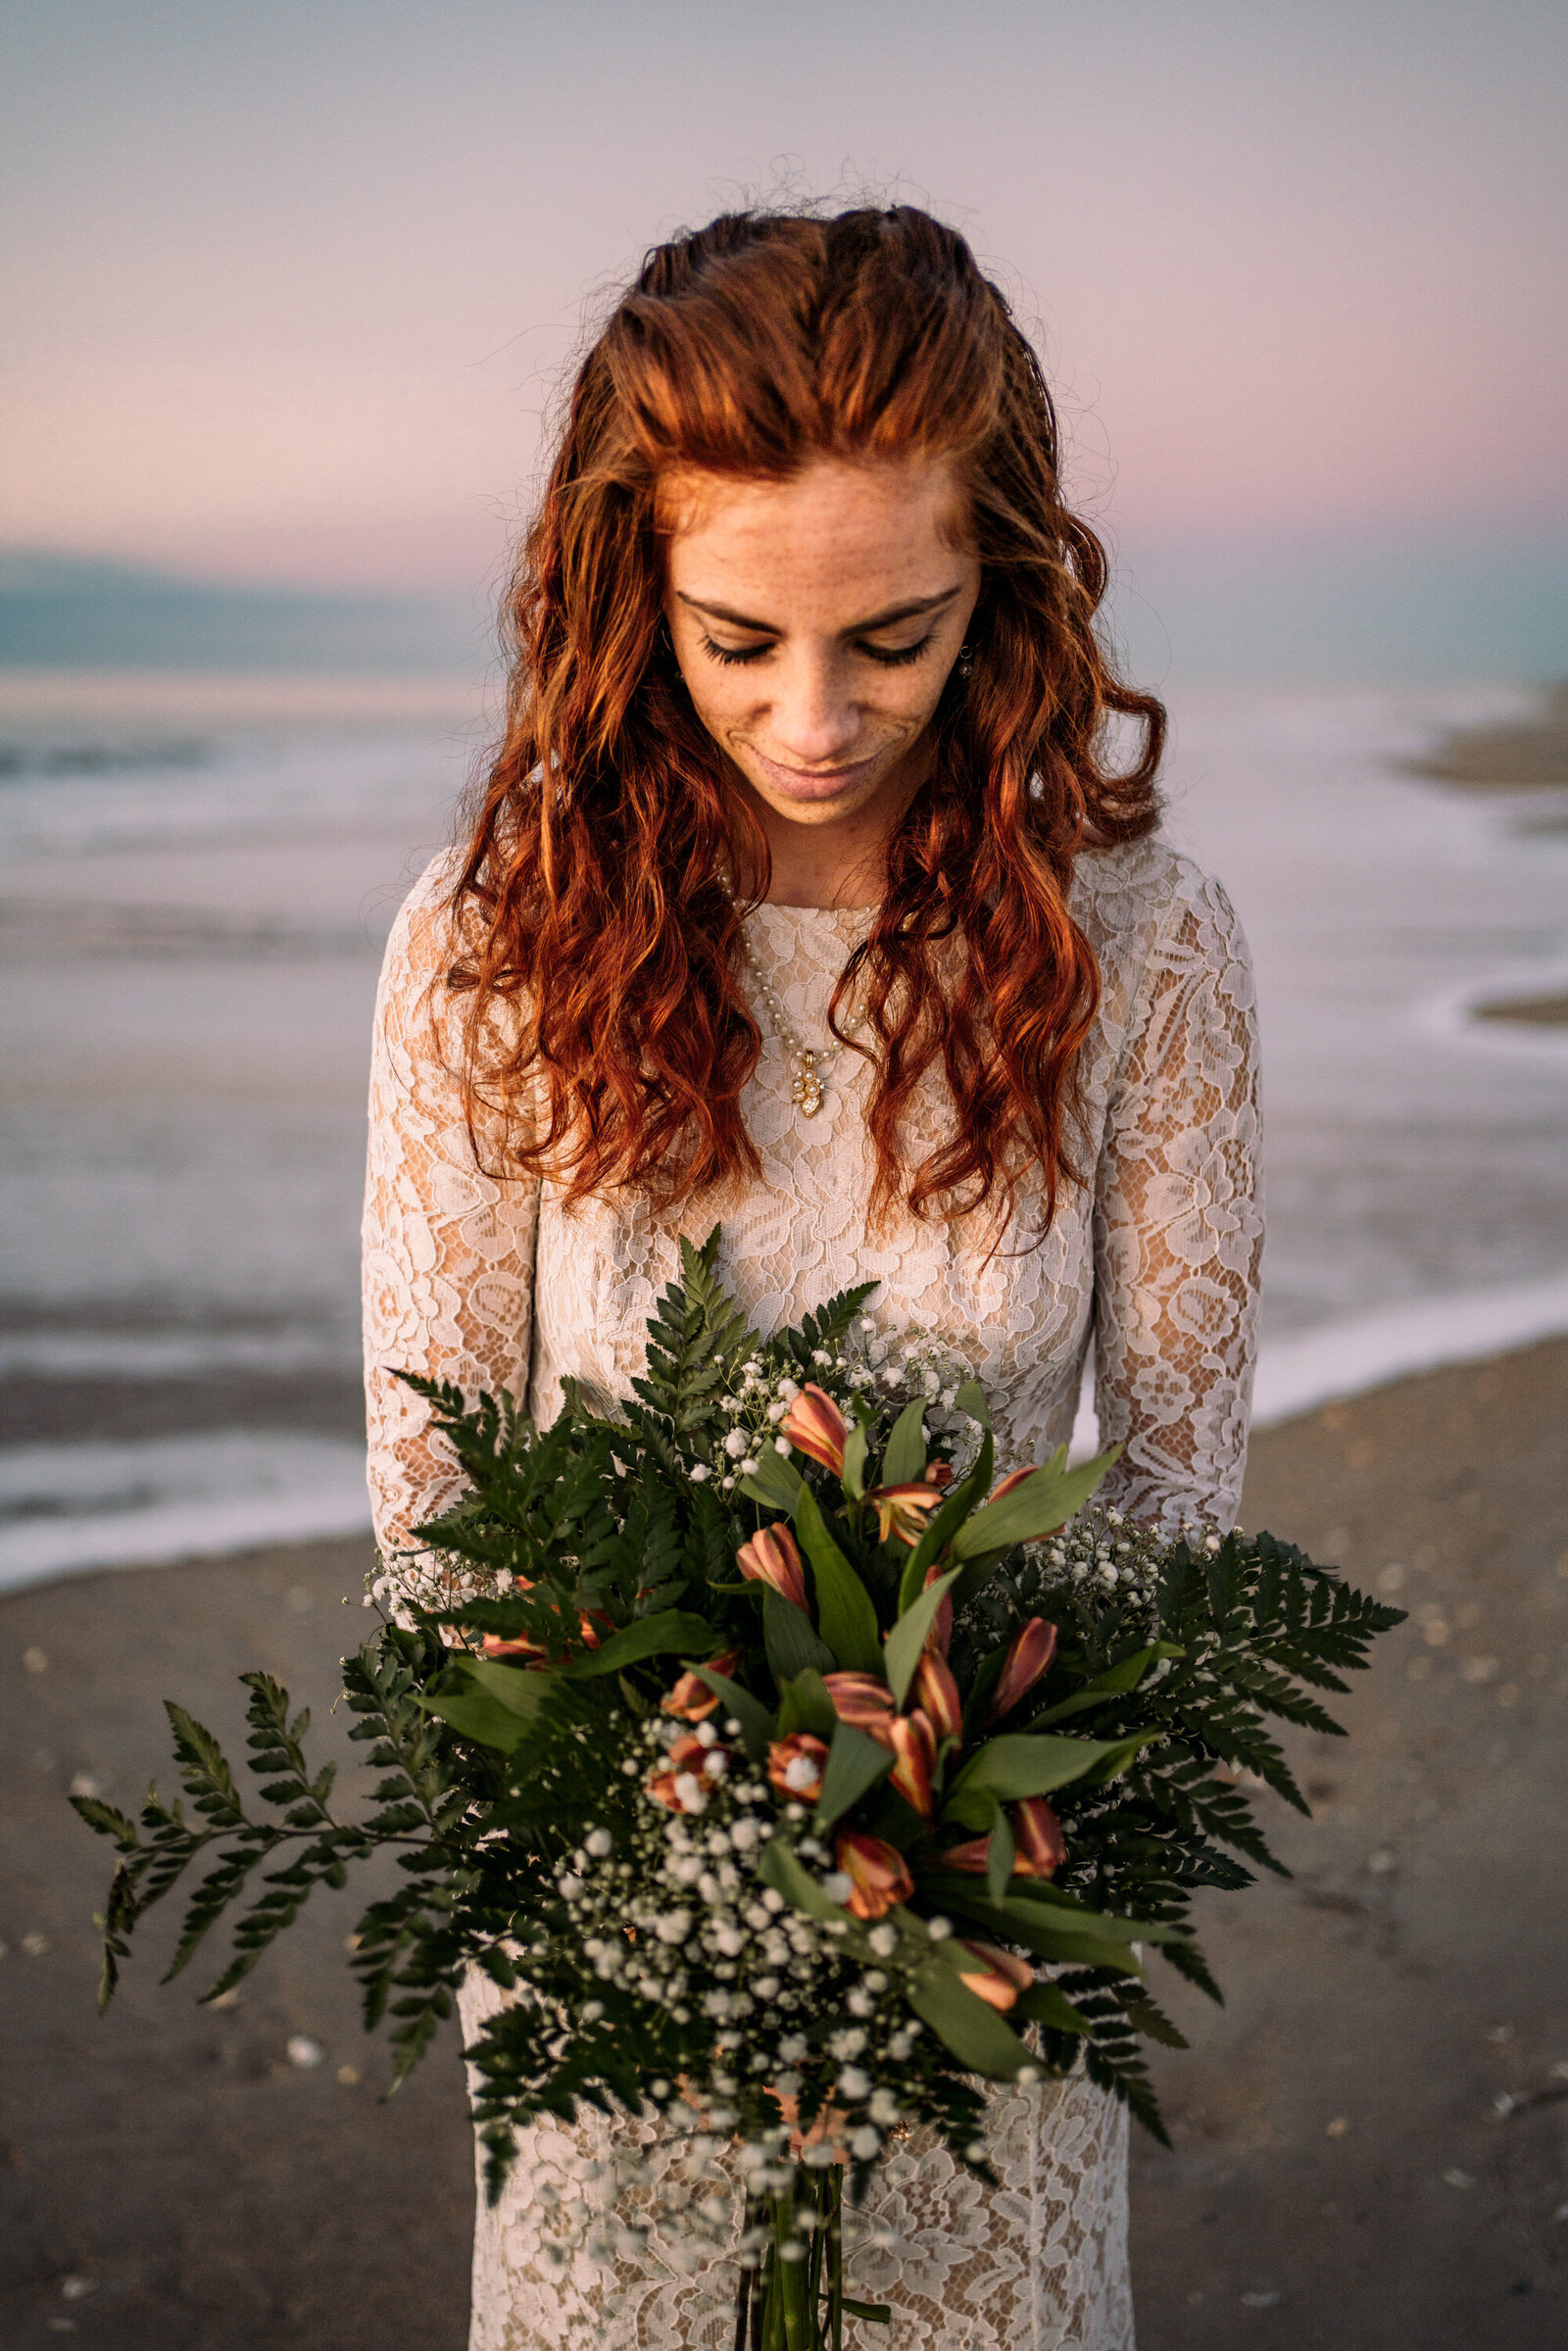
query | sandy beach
(1369,2139)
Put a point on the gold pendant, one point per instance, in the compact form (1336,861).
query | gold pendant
(806,1093)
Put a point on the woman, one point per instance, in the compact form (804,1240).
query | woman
(807,896)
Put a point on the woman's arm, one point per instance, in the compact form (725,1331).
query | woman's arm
(448,1250)
(1179,1223)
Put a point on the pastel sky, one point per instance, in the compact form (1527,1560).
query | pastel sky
(286,283)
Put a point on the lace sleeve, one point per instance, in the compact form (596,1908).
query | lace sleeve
(448,1250)
(1179,1223)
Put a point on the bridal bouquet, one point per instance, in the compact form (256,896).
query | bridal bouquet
(792,1778)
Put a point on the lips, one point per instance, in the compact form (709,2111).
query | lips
(822,783)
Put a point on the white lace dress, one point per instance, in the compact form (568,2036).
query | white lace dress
(496,1285)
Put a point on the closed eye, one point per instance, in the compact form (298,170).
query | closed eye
(885,656)
(731,654)
(898,657)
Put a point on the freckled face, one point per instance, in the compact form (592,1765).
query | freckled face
(816,620)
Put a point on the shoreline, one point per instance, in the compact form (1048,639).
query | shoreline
(113,1474)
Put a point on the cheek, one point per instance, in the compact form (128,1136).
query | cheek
(719,696)
(912,695)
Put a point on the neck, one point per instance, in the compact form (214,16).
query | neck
(824,865)
(840,863)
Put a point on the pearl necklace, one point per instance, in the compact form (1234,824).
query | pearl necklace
(806,1087)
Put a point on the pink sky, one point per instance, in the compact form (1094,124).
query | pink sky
(286,285)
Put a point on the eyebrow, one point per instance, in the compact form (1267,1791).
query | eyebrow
(860,628)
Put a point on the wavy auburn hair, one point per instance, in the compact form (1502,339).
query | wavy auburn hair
(591,903)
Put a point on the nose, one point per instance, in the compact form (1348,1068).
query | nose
(815,719)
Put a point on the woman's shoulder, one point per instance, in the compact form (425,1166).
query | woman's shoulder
(429,902)
(427,932)
(1137,895)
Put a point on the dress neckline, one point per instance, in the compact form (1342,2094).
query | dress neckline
(844,922)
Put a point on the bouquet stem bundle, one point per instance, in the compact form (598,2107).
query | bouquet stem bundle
(794,2300)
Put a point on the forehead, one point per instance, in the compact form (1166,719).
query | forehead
(836,532)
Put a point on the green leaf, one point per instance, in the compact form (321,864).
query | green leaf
(107,1821)
(755,1719)
(854,1765)
(1034,1508)
(1084,1939)
(824,1328)
(672,1632)
(853,1475)
(905,1458)
(1113,1684)
(789,1876)
(972,1398)
(805,1705)
(879,2314)
(951,1515)
(1046,2005)
(1123,1753)
(776,1482)
(1019,1765)
(1000,1856)
(970,2026)
(791,1639)
(1029,1900)
(901,1651)
(481,1718)
(1151,2018)
(845,1615)
(696,1340)
(524,1691)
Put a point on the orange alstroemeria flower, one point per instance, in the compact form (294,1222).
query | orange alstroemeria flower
(878,1873)
(998,1978)
(525,1645)
(814,1425)
(1031,1651)
(685,1780)
(863,1701)
(1014,1476)
(936,1694)
(691,1700)
(795,1766)
(680,1792)
(772,1557)
(1041,1848)
(903,1510)
(1038,1848)
(914,1748)
(940,1636)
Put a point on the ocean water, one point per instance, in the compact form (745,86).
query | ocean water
(198,877)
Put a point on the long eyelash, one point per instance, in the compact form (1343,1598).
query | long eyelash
(904,655)
(730,654)
(733,655)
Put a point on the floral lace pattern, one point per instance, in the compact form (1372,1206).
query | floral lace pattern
(1154,1260)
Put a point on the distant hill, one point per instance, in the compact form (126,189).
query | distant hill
(71,612)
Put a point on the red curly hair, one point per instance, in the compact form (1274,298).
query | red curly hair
(590,897)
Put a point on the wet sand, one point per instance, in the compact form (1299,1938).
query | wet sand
(1369,2139)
